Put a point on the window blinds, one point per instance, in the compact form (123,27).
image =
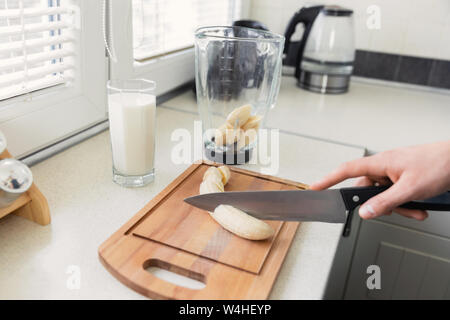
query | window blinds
(36,46)
(164,26)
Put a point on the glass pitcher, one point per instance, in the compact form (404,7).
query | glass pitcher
(238,74)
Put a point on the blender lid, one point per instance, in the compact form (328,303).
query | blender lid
(237,33)
(337,11)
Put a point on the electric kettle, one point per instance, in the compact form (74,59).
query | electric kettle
(323,59)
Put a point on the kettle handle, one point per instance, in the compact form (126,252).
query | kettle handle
(307,17)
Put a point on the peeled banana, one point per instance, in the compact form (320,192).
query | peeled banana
(227,136)
(212,171)
(240,128)
(248,137)
(230,218)
(239,116)
(252,123)
(217,180)
(241,224)
(220,134)
(210,186)
(225,172)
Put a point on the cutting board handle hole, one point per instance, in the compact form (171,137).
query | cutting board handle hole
(175,275)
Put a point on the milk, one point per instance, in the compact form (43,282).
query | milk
(132,128)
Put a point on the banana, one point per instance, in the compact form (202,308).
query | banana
(234,220)
(210,186)
(227,136)
(235,130)
(225,126)
(212,171)
(252,123)
(241,224)
(248,137)
(225,172)
(217,180)
(239,116)
(220,137)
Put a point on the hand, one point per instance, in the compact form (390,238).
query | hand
(416,173)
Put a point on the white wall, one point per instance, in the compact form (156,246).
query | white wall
(408,27)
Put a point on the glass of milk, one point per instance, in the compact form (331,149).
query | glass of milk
(132,107)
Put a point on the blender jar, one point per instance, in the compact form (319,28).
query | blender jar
(238,74)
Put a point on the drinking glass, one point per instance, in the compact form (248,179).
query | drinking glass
(132,108)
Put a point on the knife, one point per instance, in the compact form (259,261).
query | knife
(332,205)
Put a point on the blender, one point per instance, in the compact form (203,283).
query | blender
(238,74)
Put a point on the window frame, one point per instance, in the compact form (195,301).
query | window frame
(159,69)
(36,120)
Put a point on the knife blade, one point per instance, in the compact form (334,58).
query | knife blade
(289,205)
(332,205)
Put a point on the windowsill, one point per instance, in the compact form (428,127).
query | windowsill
(153,61)
(164,54)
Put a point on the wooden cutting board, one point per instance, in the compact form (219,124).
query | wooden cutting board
(170,234)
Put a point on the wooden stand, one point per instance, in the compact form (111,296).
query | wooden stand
(31,205)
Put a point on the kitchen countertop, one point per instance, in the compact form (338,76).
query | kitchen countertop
(87,207)
(377,115)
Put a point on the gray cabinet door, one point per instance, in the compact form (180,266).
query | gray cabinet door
(413,264)
(437,223)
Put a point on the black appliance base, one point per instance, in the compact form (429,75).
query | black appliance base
(230,158)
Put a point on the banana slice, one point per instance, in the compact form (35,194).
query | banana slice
(225,126)
(210,186)
(241,224)
(225,172)
(217,179)
(220,137)
(252,123)
(239,116)
(248,137)
(227,136)
(212,171)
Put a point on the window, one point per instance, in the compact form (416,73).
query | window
(35,46)
(154,39)
(52,71)
(165,26)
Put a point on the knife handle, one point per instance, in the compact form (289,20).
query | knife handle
(356,196)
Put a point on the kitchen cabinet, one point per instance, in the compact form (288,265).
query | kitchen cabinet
(437,223)
(413,264)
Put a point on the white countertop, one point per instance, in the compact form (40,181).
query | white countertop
(377,115)
(87,207)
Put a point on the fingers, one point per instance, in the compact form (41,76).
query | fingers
(419,215)
(372,181)
(367,166)
(410,213)
(386,201)
(372,170)
(363,182)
